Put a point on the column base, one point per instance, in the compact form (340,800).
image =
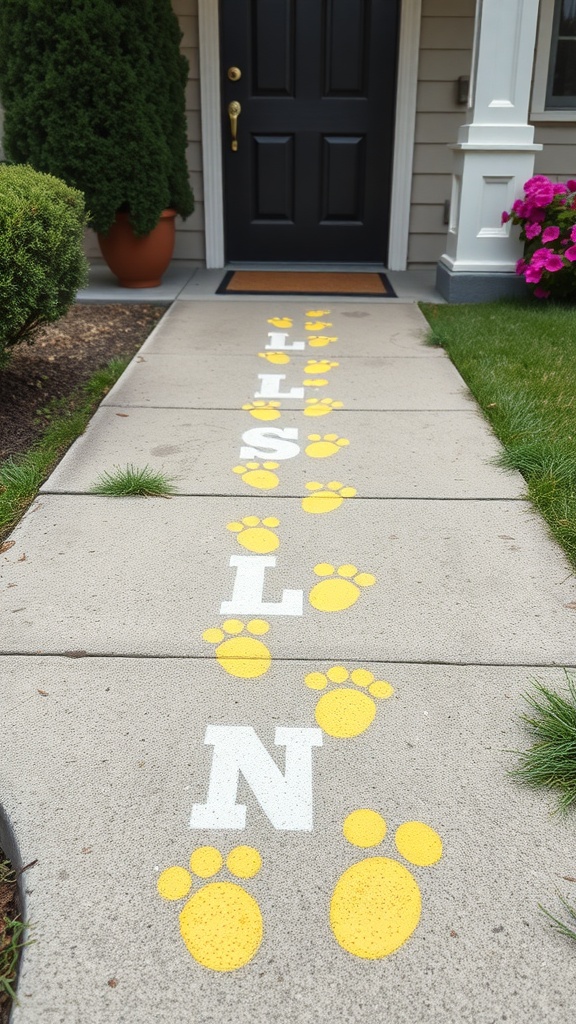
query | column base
(479,287)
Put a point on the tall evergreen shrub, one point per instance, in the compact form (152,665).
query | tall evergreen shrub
(42,263)
(93,92)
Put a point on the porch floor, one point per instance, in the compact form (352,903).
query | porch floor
(186,282)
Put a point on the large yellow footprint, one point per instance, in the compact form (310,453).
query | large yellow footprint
(221,924)
(376,904)
(280,321)
(326,497)
(256,534)
(323,446)
(241,656)
(349,710)
(259,475)
(341,590)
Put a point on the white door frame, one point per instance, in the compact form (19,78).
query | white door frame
(210,105)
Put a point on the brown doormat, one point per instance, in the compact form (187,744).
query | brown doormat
(301,282)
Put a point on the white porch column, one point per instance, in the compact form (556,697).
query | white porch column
(494,154)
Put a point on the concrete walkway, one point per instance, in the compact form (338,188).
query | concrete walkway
(257,735)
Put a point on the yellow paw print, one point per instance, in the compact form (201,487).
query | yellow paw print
(324,446)
(316,325)
(318,382)
(260,476)
(319,366)
(221,924)
(280,321)
(241,656)
(275,357)
(376,903)
(321,406)
(342,590)
(261,410)
(320,340)
(348,711)
(318,312)
(256,534)
(326,497)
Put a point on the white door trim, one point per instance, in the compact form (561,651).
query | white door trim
(404,130)
(407,83)
(209,57)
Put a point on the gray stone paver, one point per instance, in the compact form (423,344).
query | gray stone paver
(104,758)
(203,382)
(457,581)
(103,799)
(224,328)
(412,454)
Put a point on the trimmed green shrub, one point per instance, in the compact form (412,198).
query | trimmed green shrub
(93,92)
(42,263)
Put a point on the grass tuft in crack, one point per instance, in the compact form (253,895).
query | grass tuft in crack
(561,926)
(551,762)
(132,481)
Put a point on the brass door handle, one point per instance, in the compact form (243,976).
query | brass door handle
(234,110)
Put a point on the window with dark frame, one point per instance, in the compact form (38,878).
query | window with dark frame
(561,92)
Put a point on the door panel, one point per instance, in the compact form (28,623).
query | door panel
(273,177)
(343,177)
(272,47)
(345,30)
(310,179)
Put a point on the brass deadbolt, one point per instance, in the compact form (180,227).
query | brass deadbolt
(234,74)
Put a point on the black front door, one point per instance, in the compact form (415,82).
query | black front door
(309,178)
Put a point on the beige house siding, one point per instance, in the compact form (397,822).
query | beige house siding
(445,55)
(558,158)
(190,233)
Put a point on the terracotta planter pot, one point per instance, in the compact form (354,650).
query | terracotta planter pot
(139,262)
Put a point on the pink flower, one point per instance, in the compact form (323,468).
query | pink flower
(533,275)
(571,184)
(559,187)
(543,195)
(540,258)
(550,234)
(518,207)
(573,234)
(554,263)
(570,254)
(505,216)
(535,182)
(532,230)
(521,266)
(541,293)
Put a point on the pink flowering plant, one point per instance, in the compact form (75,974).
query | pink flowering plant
(547,216)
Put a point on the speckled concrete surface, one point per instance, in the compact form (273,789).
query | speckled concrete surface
(251,662)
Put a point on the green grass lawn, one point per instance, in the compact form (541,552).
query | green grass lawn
(21,477)
(519,361)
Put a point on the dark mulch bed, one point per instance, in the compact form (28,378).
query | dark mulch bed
(63,356)
(8,910)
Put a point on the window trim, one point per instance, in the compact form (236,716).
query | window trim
(539,111)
